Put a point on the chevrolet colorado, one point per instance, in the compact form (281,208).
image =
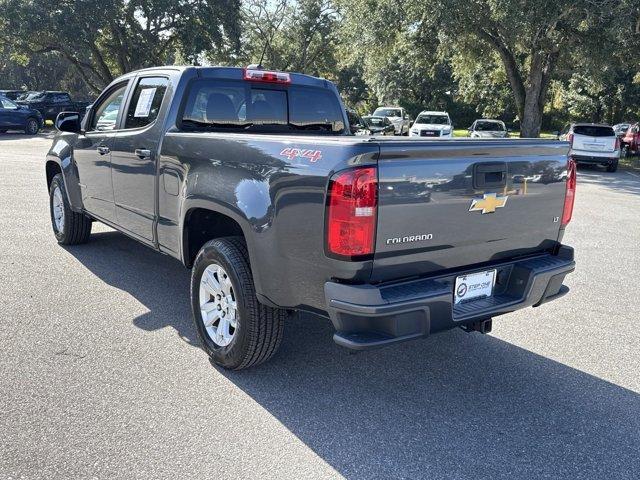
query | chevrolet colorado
(252,179)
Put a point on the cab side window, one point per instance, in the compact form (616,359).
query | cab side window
(106,114)
(146,102)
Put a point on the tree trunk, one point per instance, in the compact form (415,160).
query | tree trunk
(531,121)
(542,66)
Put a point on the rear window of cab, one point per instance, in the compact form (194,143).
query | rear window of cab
(593,131)
(227,105)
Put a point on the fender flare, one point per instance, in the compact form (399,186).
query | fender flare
(69,176)
(205,203)
(193,203)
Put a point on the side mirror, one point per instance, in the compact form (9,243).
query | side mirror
(68,122)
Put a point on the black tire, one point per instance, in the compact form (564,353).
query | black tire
(612,167)
(76,227)
(259,328)
(32,127)
(3,130)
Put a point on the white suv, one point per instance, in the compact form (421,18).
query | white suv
(432,125)
(593,144)
(397,116)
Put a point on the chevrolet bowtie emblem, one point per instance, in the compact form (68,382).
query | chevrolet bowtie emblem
(488,203)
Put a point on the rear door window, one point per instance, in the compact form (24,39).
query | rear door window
(593,131)
(244,106)
(146,102)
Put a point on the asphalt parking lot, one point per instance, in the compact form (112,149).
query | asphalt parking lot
(101,376)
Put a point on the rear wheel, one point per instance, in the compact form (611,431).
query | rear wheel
(32,126)
(612,167)
(235,329)
(69,227)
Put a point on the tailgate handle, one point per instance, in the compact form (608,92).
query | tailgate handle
(489,175)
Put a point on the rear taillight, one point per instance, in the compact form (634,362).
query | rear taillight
(570,139)
(352,208)
(617,146)
(266,76)
(570,193)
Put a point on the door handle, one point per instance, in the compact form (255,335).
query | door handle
(142,152)
(102,150)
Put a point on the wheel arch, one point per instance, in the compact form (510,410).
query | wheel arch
(205,221)
(60,160)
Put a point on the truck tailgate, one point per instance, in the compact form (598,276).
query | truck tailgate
(447,205)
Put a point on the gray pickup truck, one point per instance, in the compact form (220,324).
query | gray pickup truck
(252,179)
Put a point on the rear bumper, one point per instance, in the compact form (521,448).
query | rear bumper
(369,316)
(607,159)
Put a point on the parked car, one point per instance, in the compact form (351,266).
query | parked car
(430,124)
(398,117)
(50,104)
(593,144)
(252,179)
(621,129)
(631,140)
(357,125)
(379,125)
(17,117)
(11,94)
(486,128)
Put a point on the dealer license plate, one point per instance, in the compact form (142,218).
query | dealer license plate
(473,286)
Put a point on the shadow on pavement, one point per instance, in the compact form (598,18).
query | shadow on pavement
(18,135)
(620,181)
(159,282)
(454,405)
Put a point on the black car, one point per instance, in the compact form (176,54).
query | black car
(50,104)
(379,125)
(357,126)
(17,117)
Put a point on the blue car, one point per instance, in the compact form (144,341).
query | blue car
(17,117)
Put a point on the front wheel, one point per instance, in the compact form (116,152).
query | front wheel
(235,329)
(69,227)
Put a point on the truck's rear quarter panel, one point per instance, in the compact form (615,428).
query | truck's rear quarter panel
(279,200)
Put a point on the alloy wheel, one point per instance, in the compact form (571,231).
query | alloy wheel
(218,308)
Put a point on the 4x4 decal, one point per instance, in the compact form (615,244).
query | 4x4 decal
(312,155)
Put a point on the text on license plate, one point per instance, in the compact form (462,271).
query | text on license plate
(474,285)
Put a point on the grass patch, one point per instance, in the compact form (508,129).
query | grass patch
(632,163)
(462,132)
